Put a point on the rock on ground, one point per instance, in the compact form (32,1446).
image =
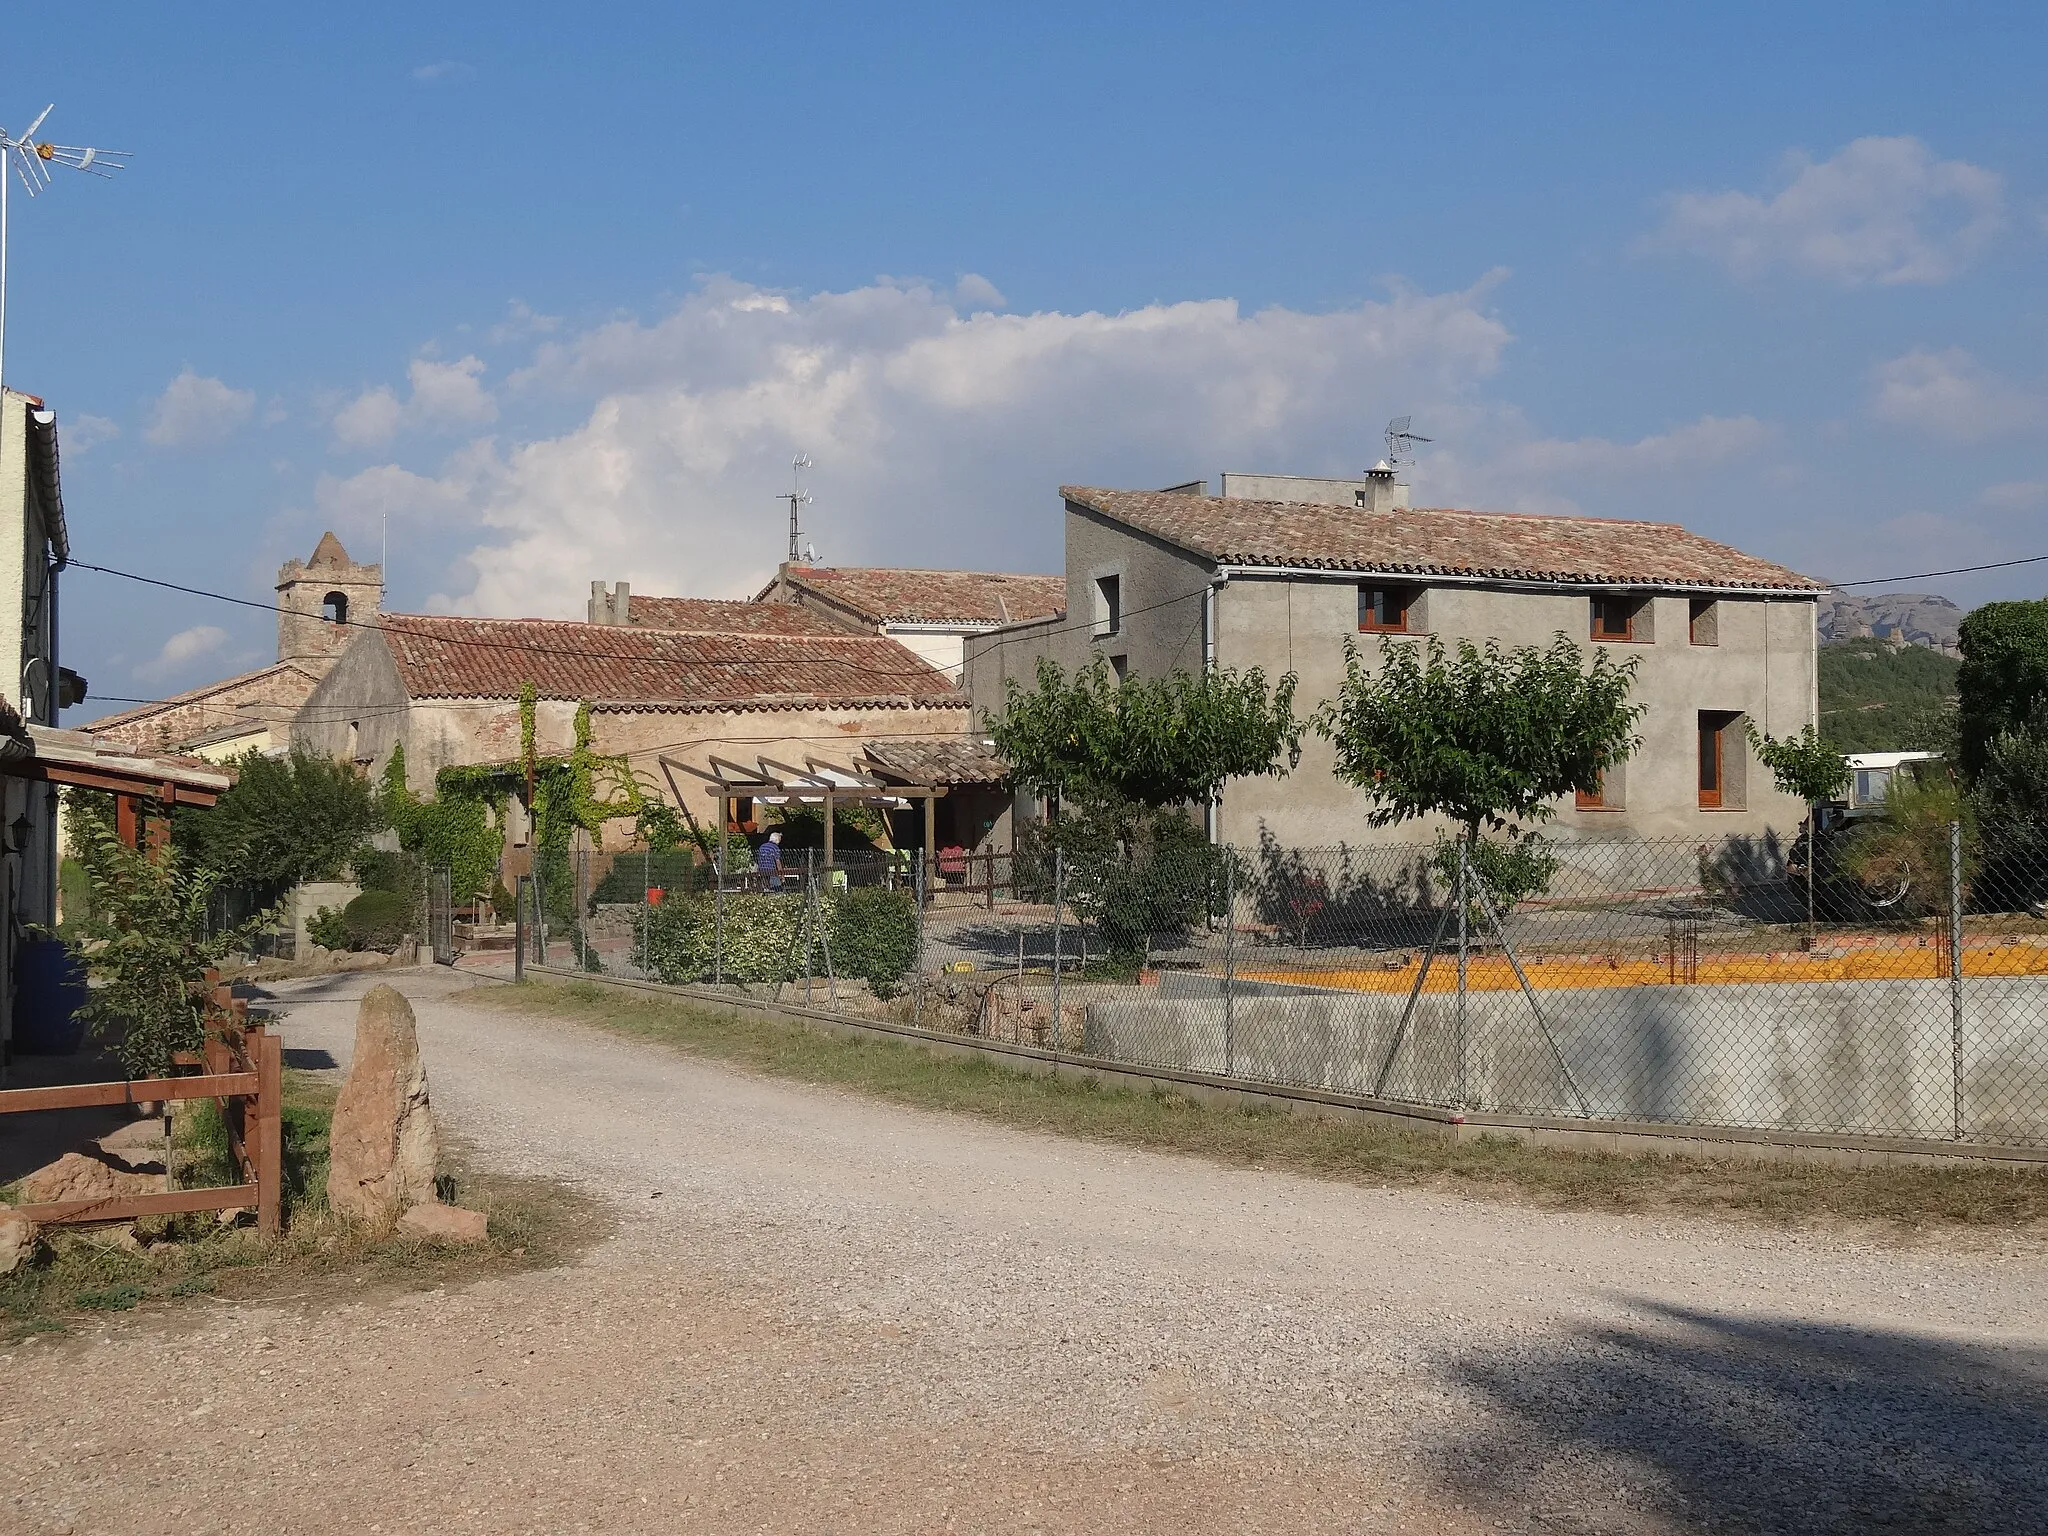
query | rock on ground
(444,1223)
(382,1145)
(17,1239)
(78,1176)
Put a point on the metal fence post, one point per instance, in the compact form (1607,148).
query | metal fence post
(718,912)
(1229,965)
(917,966)
(1464,961)
(519,885)
(1955,967)
(810,912)
(1059,897)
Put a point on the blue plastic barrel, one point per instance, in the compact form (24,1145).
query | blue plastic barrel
(49,989)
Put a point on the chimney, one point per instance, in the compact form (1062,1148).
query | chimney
(622,596)
(1381,491)
(599,610)
(609,607)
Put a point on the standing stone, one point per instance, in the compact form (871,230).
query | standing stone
(382,1145)
(17,1239)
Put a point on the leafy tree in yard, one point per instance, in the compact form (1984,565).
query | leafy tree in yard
(1811,769)
(1122,760)
(1484,738)
(285,820)
(2002,746)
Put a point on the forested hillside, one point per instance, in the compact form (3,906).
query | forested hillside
(1878,698)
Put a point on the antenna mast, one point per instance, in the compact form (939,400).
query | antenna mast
(797,497)
(30,160)
(1400,440)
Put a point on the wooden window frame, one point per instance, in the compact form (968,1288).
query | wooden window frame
(1593,615)
(1716,797)
(1596,801)
(1367,607)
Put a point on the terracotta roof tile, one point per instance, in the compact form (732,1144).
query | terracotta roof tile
(715,616)
(657,668)
(1503,546)
(883,595)
(935,760)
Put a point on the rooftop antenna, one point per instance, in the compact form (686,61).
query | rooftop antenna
(31,161)
(1400,440)
(797,497)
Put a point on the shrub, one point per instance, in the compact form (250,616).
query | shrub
(378,919)
(326,928)
(874,936)
(386,869)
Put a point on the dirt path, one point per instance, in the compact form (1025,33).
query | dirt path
(825,1314)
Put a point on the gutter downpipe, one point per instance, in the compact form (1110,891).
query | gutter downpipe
(1212,821)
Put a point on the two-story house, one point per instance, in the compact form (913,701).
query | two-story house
(1278,572)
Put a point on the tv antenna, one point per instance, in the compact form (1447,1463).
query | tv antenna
(797,497)
(31,159)
(1400,440)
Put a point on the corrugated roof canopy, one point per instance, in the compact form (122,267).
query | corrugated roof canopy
(1501,546)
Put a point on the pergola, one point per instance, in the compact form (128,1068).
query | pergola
(135,779)
(824,784)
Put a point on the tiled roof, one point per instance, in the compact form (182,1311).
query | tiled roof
(208,694)
(657,668)
(935,760)
(885,596)
(719,617)
(1502,546)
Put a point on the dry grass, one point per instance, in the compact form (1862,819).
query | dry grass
(533,1223)
(1902,1199)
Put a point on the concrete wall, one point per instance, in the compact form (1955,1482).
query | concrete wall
(1868,1057)
(1763,666)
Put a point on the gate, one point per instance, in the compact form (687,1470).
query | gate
(440,917)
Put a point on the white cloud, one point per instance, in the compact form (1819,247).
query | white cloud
(445,70)
(1951,396)
(522,321)
(196,409)
(974,291)
(369,419)
(1705,444)
(1883,210)
(448,394)
(443,395)
(183,648)
(82,434)
(938,436)
(2016,496)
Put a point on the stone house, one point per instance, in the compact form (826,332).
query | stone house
(934,613)
(322,605)
(1278,572)
(447,689)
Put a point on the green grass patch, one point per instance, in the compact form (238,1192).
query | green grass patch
(1907,1197)
(533,1223)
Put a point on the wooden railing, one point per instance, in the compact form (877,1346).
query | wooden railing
(242,1068)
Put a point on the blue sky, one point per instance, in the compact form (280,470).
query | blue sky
(559,293)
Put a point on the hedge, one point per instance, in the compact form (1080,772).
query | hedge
(873,936)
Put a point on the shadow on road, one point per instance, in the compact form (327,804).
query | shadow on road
(1703,1422)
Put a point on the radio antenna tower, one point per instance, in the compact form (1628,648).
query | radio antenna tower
(1400,440)
(31,161)
(797,497)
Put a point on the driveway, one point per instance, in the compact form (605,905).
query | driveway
(822,1313)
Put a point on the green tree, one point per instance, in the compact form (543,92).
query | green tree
(1809,768)
(1121,760)
(284,821)
(1488,737)
(2002,685)
(1877,697)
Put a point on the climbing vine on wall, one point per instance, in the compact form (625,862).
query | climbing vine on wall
(462,829)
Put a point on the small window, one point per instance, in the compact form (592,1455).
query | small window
(1109,605)
(1705,626)
(1872,785)
(1121,666)
(334,608)
(1384,610)
(1620,618)
(1721,760)
(1607,797)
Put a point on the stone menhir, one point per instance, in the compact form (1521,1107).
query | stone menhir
(382,1146)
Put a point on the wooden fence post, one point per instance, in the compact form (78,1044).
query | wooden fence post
(268,1053)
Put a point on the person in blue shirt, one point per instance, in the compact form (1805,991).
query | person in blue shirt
(768,860)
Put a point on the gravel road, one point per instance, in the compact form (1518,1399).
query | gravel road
(820,1313)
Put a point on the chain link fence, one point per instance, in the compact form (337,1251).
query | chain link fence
(1889,985)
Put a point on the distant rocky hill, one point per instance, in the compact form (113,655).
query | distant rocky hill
(1904,618)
